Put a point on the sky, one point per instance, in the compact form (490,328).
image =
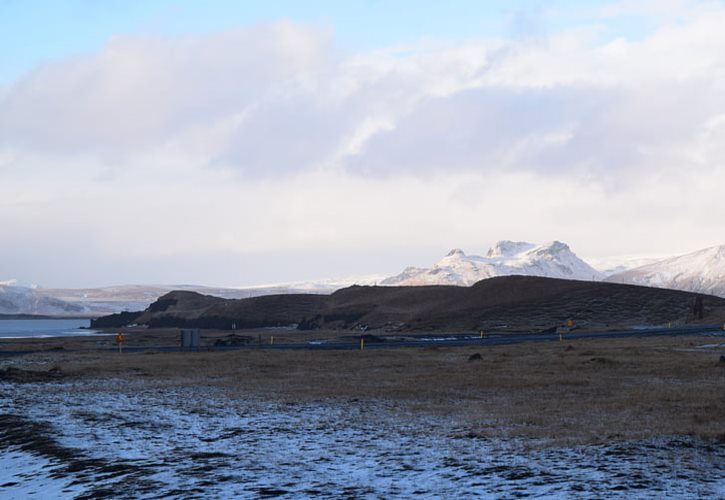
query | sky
(234,143)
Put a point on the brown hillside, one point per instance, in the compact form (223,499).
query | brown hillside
(502,303)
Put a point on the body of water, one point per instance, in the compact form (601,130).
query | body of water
(20,328)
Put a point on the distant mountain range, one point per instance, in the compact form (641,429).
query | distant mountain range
(702,272)
(16,299)
(506,258)
(99,301)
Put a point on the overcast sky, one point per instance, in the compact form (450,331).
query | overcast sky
(229,144)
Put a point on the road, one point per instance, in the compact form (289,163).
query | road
(467,339)
(431,339)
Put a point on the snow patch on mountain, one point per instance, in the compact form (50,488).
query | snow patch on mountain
(613,265)
(505,258)
(316,286)
(702,272)
(507,248)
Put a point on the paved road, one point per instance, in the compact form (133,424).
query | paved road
(467,339)
(438,339)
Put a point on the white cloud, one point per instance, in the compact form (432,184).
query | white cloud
(267,138)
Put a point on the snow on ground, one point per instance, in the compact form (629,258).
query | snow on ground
(137,440)
(23,475)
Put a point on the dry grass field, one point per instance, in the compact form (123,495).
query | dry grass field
(583,391)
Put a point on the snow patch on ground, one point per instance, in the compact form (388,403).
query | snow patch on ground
(139,440)
(24,475)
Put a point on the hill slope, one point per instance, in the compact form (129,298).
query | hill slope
(702,271)
(503,303)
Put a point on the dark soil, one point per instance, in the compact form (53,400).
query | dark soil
(12,374)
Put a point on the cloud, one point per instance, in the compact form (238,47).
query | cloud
(140,92)
(279,99)
(269,140)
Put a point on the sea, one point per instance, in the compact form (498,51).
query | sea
(22,328)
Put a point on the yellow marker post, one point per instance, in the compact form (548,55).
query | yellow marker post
(362,343)
(119,340)
(481,333)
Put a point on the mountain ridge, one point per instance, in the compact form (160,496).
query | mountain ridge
(505,258)
(702,271)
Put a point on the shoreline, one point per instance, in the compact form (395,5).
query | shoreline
(43,317)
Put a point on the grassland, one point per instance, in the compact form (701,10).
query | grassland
(584,391)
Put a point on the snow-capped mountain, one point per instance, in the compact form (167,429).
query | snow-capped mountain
(25,300)
(553,260)
(15,299)
(613,265)
(702,271)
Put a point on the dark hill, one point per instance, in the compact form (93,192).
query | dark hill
(510,302)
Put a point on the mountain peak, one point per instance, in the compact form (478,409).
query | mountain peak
(554,260)
(556,247)
(718,252)
(507,248)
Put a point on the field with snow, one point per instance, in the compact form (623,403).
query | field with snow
(145,442)
(591,420)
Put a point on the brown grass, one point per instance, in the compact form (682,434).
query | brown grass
(574,392)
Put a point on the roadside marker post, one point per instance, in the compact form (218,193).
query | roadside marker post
(119,340)
(362,343)
(271,340)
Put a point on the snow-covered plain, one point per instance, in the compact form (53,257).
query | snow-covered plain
(130,439)
(24,475)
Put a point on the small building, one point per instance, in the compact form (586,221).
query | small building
(190,337)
